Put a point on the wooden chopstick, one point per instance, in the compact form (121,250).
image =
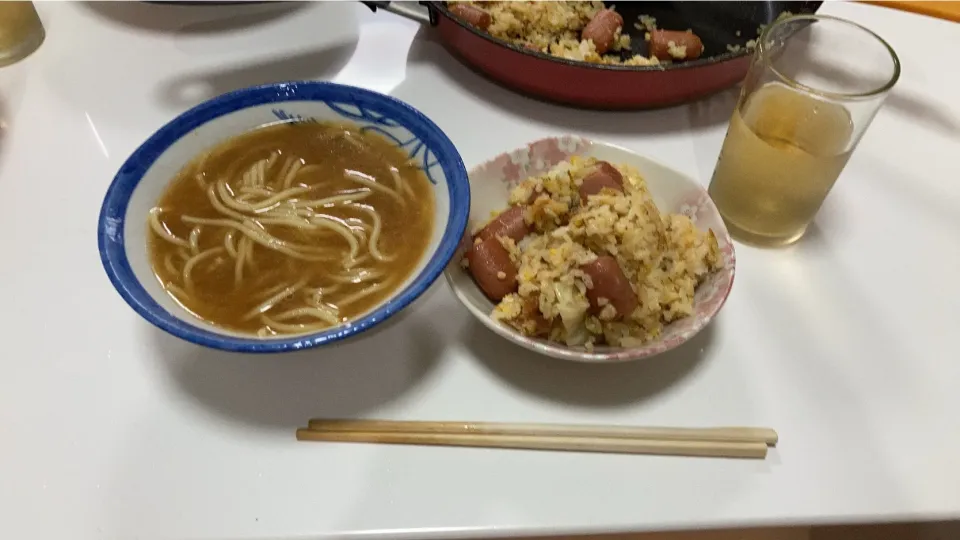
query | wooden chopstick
(733,442)
(766,436)
(698,448)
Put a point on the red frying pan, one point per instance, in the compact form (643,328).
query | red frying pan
(601,86)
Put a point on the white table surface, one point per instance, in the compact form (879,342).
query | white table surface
(109,428)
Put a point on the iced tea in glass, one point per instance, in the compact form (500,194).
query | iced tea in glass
(21,31)
(814,85)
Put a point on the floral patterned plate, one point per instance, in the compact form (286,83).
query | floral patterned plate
(490,184)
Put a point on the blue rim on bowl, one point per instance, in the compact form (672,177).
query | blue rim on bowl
(113,212)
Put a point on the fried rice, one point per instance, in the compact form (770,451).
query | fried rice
(554,28)
(664,257)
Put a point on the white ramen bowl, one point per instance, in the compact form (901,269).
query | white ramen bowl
(142,179)
(672,191)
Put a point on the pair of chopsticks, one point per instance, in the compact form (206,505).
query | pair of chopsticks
(728,442)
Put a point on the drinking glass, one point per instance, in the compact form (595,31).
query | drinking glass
(21,31)
(814,85)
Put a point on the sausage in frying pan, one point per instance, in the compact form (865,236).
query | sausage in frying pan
(602,29)
(608,281)
(472,15)
(688,42)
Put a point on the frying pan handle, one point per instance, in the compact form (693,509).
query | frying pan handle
(408,10)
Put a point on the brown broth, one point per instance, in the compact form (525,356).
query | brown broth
(328,150)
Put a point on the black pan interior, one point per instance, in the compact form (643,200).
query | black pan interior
(716,23)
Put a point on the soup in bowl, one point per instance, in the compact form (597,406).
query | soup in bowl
(284,216)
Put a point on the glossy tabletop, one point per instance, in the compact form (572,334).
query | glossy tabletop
(110,428)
